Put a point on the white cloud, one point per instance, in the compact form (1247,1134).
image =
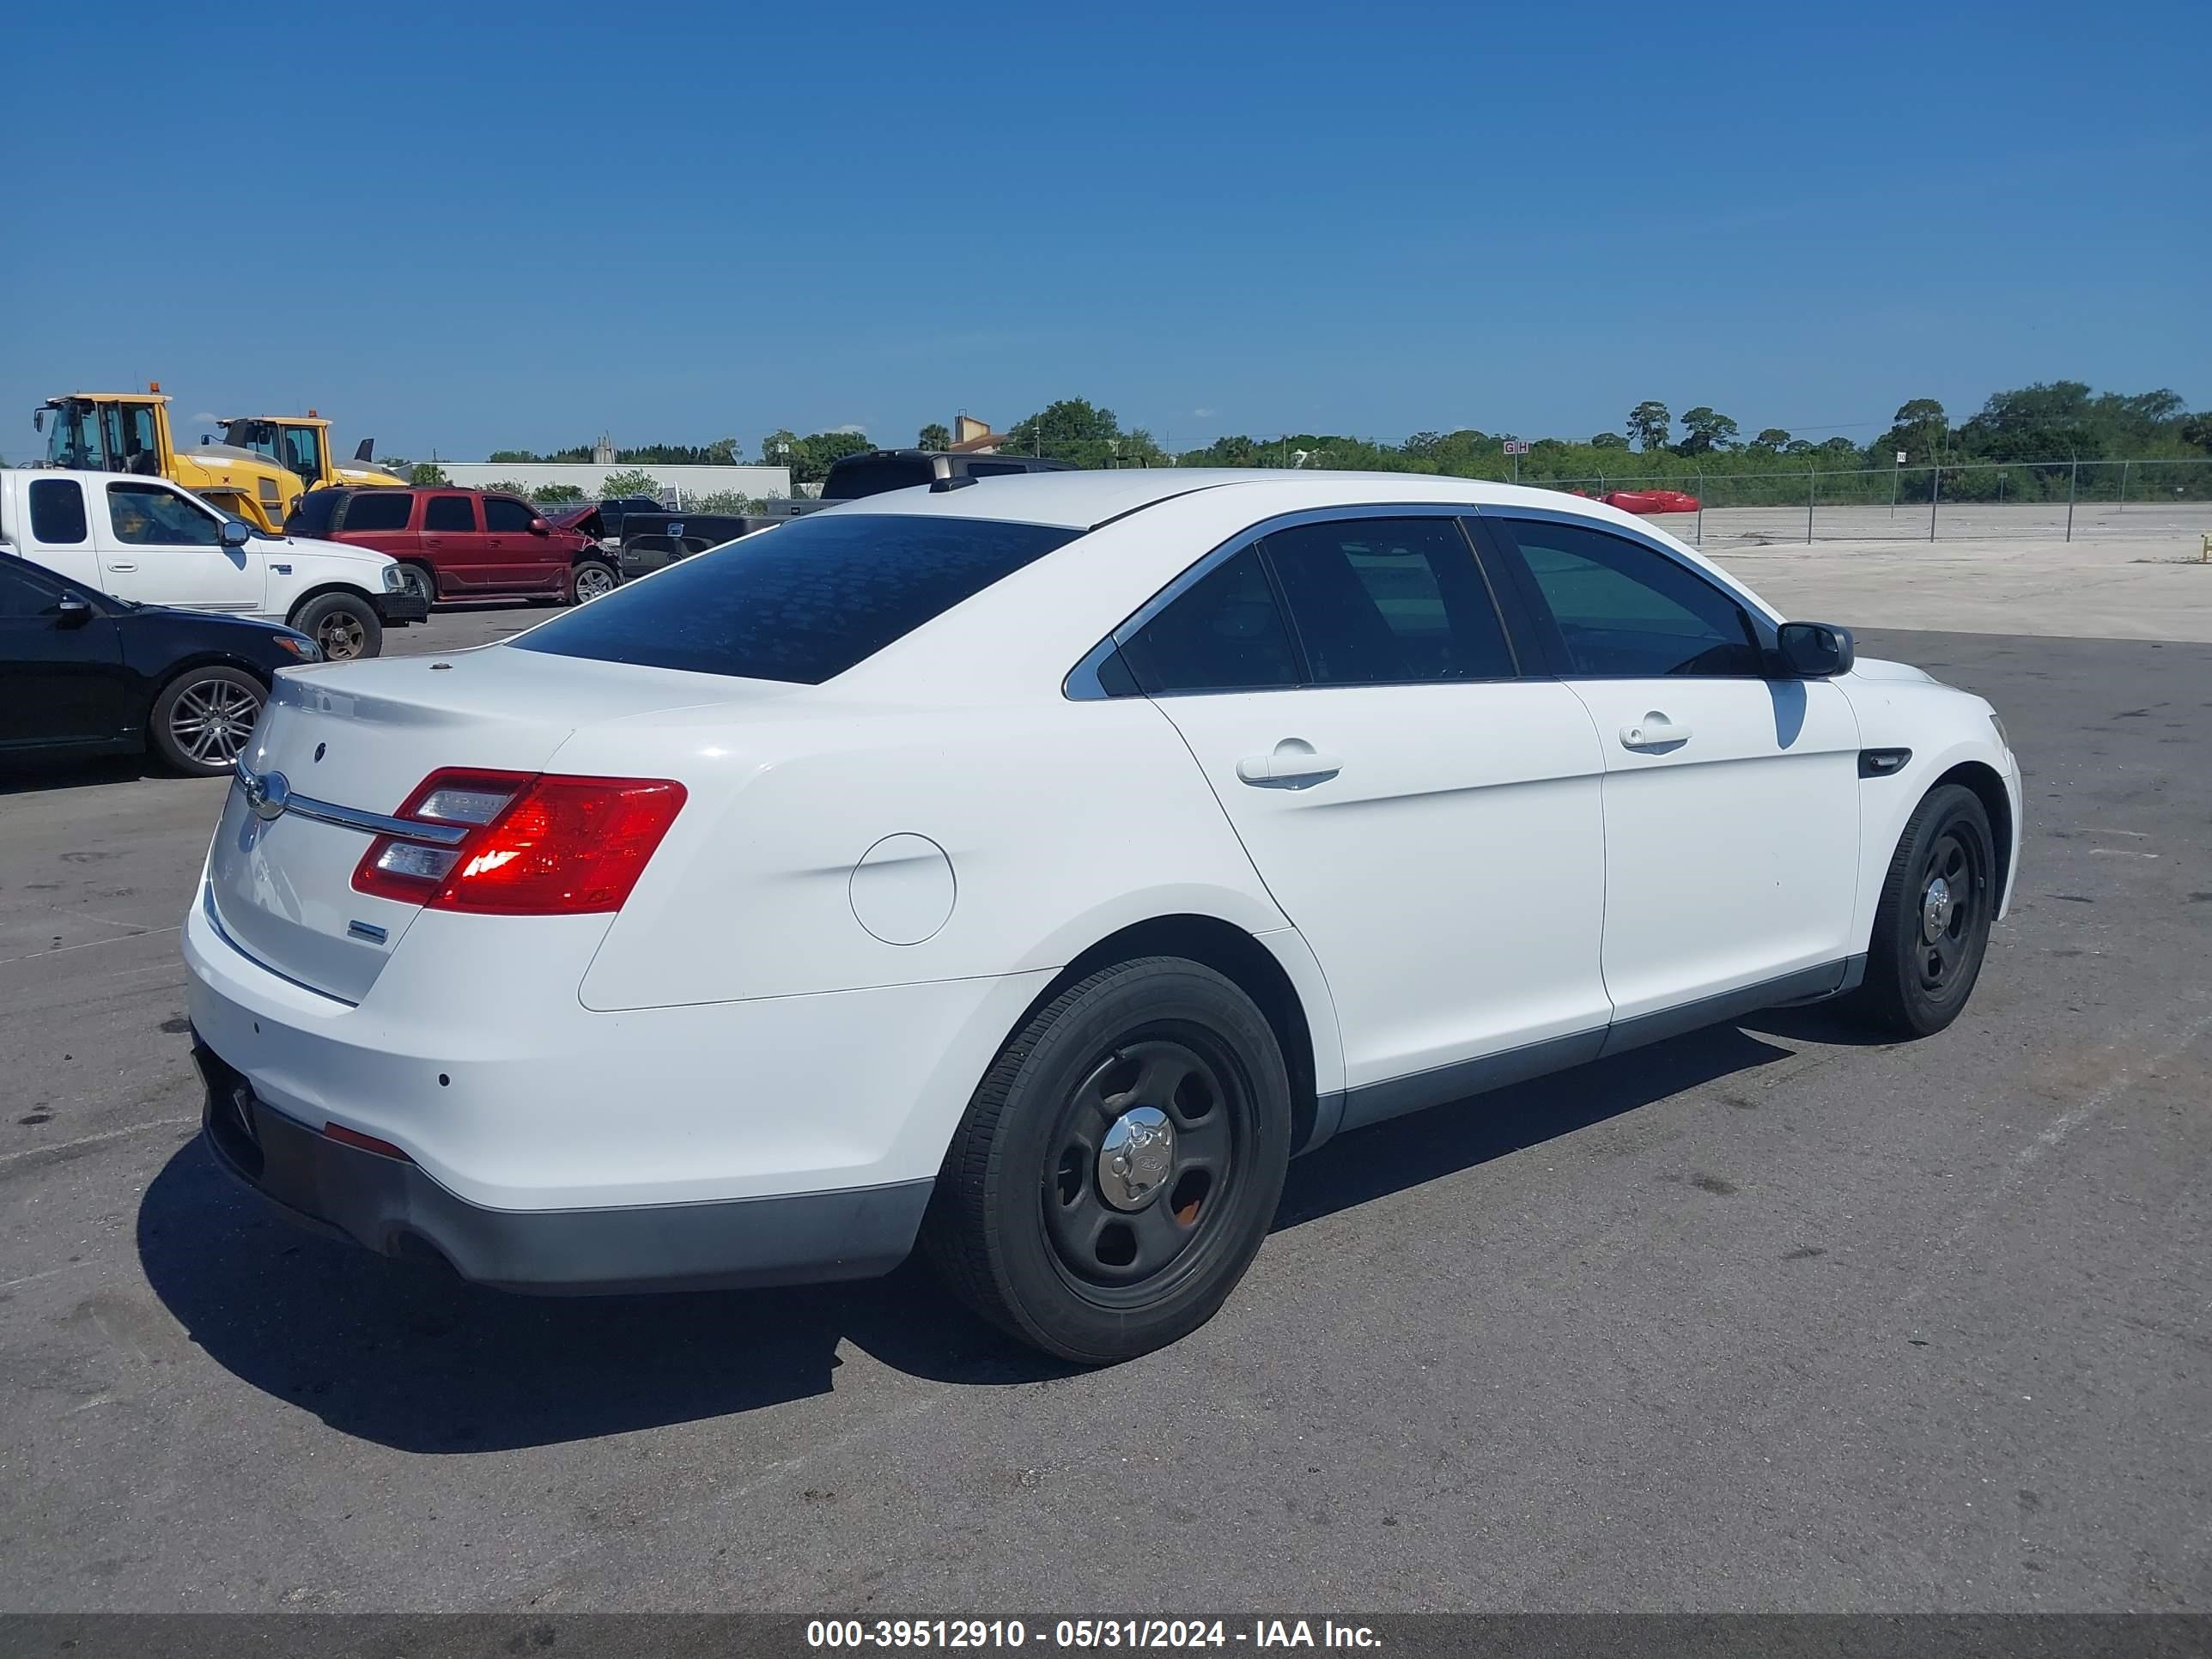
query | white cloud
(1202,414)
(852,427)
(205,420)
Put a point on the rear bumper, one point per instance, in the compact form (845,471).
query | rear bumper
(390,1205)
(397,609)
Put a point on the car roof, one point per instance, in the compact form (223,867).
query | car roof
(1085,499)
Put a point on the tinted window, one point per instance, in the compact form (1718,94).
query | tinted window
(449,513)
(147,515)
(1625,608)
(23,594)
(1384,600)
(872,474)
(58,511)
(802,602)
(382,509)
(1224,634)
(506,515)
(314,512)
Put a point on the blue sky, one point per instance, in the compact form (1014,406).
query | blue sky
(473,227)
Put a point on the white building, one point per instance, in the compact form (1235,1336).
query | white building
(761,483)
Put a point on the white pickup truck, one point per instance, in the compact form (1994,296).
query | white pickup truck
(146,539)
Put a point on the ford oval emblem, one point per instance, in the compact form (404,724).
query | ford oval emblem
(268,793)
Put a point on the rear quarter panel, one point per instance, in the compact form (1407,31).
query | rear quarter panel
(1061,822)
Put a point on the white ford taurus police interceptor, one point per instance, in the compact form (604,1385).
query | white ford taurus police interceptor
(1030,869)
(146,540)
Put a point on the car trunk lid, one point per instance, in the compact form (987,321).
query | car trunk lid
(356,739)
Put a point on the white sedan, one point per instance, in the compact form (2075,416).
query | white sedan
(1030,868)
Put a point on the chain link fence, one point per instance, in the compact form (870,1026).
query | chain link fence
(1976,499)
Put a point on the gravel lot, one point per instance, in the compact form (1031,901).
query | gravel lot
(1770,1316)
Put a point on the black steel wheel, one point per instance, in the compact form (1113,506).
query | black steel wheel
(1931,926)
(1118,1167)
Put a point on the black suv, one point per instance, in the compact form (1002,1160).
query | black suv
(878,470)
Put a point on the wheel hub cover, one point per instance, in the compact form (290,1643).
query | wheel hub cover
(1136,1158)
(1936,910)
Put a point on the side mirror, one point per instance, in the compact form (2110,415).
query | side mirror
(1814,651)
(38,420)
(539,527)
(71,612)
(236,532)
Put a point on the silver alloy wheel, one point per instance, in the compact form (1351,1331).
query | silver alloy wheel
(211,721)
(342,637)
(592,582)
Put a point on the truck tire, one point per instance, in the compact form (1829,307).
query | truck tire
(345,625)
(592,578)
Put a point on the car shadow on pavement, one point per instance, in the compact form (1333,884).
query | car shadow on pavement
(29,776)
(411,1357)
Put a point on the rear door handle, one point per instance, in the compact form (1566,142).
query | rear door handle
(1654,731)
(123,567)
(1295,764)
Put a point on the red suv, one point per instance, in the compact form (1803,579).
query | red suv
(460,543)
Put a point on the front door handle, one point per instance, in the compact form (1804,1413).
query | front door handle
(1654,731)
(1294,765)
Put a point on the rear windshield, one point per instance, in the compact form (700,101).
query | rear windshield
(802,602)
(312,517)
(872,474)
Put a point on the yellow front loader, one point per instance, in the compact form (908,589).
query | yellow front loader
(129,432)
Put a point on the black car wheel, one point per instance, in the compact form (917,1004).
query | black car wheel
(202,720)
(1120,1165)
(343,624)
(1931,924)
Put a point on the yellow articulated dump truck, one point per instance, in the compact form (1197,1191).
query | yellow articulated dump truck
(129,432)
(301,443)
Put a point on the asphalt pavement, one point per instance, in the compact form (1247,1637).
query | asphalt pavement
(1772,1317)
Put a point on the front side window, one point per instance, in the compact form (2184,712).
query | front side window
(57,512)
(1624,610)
(503,514)
(802,602)
(1384,601)
(379,509)
(1223,633)
(449,514)
(147,515)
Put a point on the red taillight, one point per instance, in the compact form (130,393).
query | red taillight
(346,1137)
(537,845)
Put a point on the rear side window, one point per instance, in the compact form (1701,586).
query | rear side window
(449,513)
(57,512)
(1627,611)
(314,514)
(378,509)
(505,514)
(800,602)
(1385,601)
(1224,633)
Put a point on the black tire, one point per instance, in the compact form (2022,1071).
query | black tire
(592,578)
(1021,1226)
(1927,943)
(345,625)
(421,581)
(202,720)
